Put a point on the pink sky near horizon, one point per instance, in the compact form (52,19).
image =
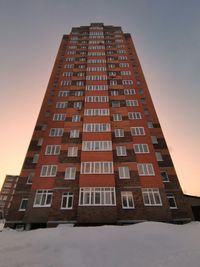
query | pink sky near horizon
(170,67)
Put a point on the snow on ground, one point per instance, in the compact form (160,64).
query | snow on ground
(148,244)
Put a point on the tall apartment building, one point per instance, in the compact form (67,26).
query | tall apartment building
(97,154)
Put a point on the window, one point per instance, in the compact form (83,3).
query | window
(70,173)
(115,104)
(67,201)
(35,158)
(134,115)
(96,78)
(96,112)
(171,201)
(96,127)
(72,151)
(127,82)
(114,92)
(56,132)
(145,169)
(123,65)
(154,140)
(96,87)
(96,167)
(78,105)
(65,83)
(96,99)
(74,133)
(59,117)
(97,196)
(43,198)
(7,185)
(63,93)
(61,104)
(76,118)
(48,171)
(113,82)
(124,172)
(150,124)
(159,156)
(129,91)
(164,176)
(30,178)
(117,117)
(137,131)
(52,150)
(151,197)
(131,103)
(127,200)
(119,132)
(141,148)
(23,204)
(125,73)
(96,146)
(121,151)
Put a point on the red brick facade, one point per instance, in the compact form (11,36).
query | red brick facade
(97,150)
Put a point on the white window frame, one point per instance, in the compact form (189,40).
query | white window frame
(23,200)
(127,197)
(56,132)
(119,132)
(48,171)
(171,197)
(97,196)
(121,151)
(141,148)
(97,167)
(52,150)
(117,117)
(137,131)
(145,169)
(96,127)
(72,151)
(124,172)
(132,103)
(43,198)
(70,173)
(67,198)
(97,112)
(134,115)
(74,133)
(97,145)
(151,197)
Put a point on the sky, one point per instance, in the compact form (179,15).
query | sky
(167,39)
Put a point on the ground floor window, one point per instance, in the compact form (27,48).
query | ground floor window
(151,197)
(67,200)
(97,196)
(43,198)
(127,200)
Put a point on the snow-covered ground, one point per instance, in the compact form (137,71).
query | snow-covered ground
(148,244)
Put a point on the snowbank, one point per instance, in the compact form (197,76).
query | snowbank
(148,244)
